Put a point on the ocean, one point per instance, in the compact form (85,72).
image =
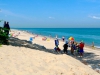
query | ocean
(88,35)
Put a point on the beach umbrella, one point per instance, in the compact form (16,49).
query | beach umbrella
(71,38)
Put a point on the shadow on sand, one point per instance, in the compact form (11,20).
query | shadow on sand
(24,43)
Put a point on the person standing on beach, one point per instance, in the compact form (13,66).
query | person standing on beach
(6,27)
(77,48)
(65,47)
(56,42)
(63,38)
(81,45)
(56,37)
(72,47)
(4,24)
(93,44)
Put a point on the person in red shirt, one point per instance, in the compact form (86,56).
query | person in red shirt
(81,46)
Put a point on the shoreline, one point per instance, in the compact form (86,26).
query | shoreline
(88,46)
(88,39)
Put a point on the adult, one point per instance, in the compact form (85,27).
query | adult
(56,42)
(93,45)
(81,45)
(4,24)
(72,47)
(56,37)
(63,38)
(65,47)
(6,27)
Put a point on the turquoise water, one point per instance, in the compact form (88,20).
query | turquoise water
(88,35)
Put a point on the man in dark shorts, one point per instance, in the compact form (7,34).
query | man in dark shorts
(65,47)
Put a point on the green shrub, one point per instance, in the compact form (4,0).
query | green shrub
(3,37)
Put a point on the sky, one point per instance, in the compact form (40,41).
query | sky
(50,13)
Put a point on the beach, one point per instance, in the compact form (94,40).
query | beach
(21,57)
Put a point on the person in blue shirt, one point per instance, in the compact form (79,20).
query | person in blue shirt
(56,42)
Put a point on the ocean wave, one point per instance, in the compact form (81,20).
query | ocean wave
(97,47)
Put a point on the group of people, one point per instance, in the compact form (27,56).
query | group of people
(76,48)
(6,27)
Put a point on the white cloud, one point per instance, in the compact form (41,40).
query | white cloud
(94,17)
(9,13)
(6,12)
(51,18)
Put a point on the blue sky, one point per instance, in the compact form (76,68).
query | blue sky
(50,13)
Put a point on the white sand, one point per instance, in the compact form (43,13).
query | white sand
(27,61)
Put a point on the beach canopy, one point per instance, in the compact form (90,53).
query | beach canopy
(71,38)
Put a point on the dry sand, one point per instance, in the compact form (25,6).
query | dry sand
(20,58)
